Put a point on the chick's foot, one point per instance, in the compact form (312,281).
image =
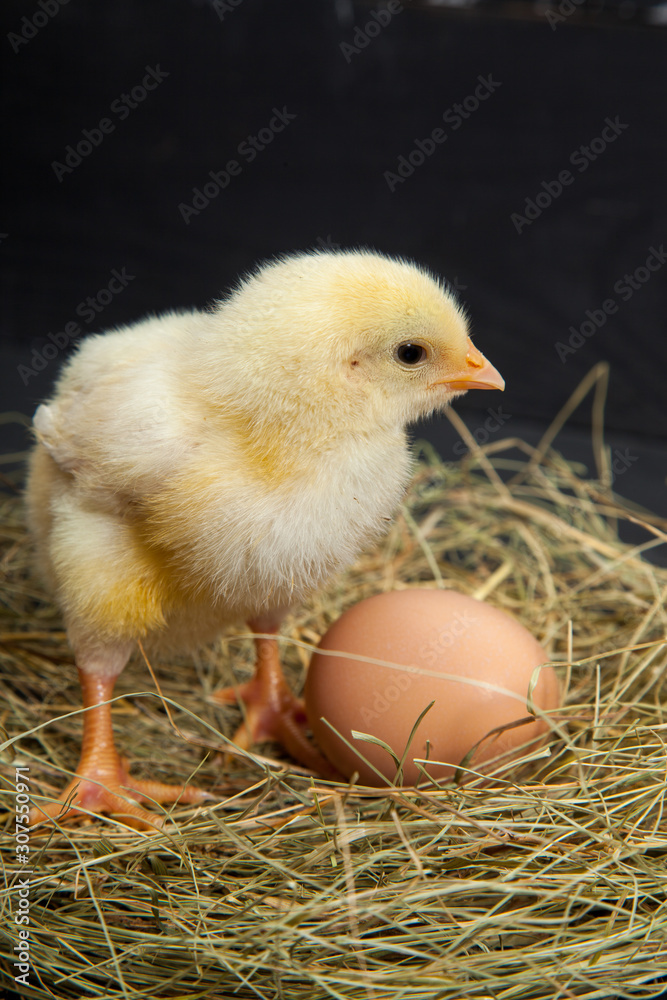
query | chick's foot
(272,711)
(102,783)
(110,789)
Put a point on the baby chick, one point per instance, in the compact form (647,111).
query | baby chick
(207,468)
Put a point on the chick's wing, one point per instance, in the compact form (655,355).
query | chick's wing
(116,422)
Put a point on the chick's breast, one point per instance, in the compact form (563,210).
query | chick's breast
(262,545)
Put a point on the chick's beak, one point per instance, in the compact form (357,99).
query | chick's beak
(478,373)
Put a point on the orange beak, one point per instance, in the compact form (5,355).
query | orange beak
(477,374)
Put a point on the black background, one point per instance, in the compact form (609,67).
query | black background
(321,181)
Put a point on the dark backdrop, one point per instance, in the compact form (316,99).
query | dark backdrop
(542,204)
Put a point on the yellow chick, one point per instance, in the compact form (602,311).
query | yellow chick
(200,469)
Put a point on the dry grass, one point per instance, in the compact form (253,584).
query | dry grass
(547,883)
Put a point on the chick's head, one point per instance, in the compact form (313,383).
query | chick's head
(404,339)
(380,340)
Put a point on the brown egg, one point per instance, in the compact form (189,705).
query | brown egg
(472,660)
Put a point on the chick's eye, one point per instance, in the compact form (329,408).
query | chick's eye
(410,354)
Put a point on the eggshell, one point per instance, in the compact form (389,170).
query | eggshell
(439,636)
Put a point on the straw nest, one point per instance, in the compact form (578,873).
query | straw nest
(546,882)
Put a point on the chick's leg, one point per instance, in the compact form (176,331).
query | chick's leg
(272,711)
(102,783)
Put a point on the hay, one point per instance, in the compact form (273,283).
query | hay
(548,882)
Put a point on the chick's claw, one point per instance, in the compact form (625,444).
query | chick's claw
(272,711)
(111,790)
